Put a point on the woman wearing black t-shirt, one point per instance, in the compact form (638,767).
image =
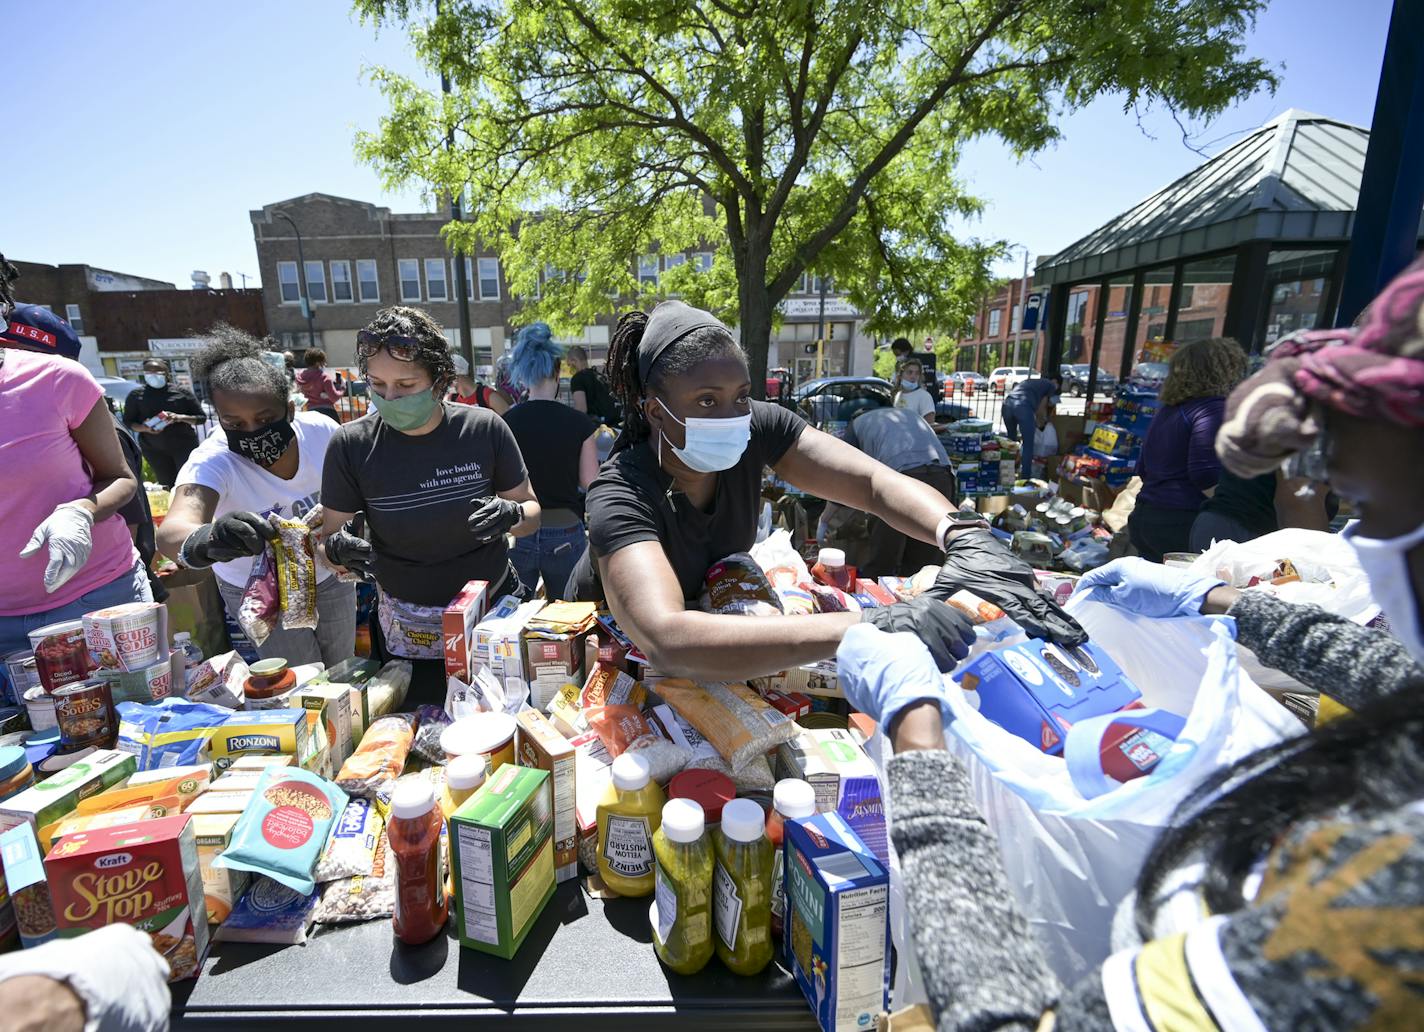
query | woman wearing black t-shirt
(682,490)
(440,484)
(559,446)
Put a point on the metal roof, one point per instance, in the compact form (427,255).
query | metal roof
(1295,178)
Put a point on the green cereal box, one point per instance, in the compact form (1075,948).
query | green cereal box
(56,796)
(502,852)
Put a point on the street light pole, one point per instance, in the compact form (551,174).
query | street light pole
(301,278)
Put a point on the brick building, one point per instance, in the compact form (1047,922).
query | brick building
(360,257)
(996,338)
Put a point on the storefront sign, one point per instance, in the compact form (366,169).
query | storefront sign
(174,345)
(810,307)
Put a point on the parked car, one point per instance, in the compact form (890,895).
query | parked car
(1075,378)
(949,412)
(1149,375)
(1004,377)
(830,402)
(117,389)
(962,378)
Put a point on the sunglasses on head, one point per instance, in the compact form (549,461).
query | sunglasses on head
(402,349)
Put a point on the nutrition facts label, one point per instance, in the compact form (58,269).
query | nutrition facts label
(477,884)
(860,957)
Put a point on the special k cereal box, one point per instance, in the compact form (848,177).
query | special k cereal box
(144,874)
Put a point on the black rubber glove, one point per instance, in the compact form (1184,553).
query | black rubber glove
(237,535)
(347,548)
(493,517)
(945,630)
(977,561)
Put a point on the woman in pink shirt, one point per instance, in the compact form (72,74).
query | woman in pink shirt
(318,385)
(64,550)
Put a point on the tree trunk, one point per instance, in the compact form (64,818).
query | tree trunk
(755,316)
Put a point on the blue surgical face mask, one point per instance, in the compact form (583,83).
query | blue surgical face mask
(712,445)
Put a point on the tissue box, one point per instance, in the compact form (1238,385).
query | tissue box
(1037,690)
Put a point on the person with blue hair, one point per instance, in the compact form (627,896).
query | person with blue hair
(559,446)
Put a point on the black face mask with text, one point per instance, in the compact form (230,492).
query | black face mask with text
(265,445)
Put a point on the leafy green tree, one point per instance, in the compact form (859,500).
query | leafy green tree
(781,136)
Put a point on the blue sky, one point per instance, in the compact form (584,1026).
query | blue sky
(144,132)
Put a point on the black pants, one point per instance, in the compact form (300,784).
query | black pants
(165,461)
(889,553)
(1155,531)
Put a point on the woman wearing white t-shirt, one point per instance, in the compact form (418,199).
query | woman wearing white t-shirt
(911,390)
(265,462)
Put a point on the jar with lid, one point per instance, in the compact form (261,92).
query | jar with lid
(268,678)
(791,799)
(413,840)
(463,777)
(741,888)
(16,774)
(709,789)
(628,815)
(682,911)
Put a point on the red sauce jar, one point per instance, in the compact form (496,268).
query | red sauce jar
(268,678)
(413,842)
(61,655)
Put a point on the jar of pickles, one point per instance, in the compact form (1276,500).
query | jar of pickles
(741,891)
(682,910)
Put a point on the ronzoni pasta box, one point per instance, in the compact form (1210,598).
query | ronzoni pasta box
(144,874)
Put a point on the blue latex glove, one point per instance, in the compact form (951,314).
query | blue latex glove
(883,673)
(1148,589)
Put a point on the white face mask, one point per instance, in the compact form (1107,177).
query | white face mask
(1386,564)
(155,379)
(712,444)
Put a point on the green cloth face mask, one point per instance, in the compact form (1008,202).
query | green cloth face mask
(407,412)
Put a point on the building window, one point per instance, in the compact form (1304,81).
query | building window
(996,316)
(648,271)
(436,288)
(674,260)
(489,279)
(316,283)
(816,283)
(1015,319)
(704,261)
(287,277)
(409,279)
(366,281)
(75,320)
(341,282)
(1188,290)
(1077,304)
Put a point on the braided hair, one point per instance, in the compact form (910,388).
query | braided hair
(622,367)
(432,349)
(231,361)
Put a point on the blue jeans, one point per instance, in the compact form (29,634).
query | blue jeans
(1021,424)
(550,552)
(129,587)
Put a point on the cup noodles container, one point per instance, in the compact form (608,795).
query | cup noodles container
(458,622)
(142,686)
(85,712)
(39,704)
(145,875)
(539,745)
(128,637)
(61,655)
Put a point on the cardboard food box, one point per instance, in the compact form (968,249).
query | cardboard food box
(228,801)
(77,822)
(844,779)
(554,648)
(261,762)
(593,770)
(616,648)
(837,938)
(144,874)
(538,744)
(1037,690)
(464,611)
(183,783)
(222,886)
(502,853)
(281,731)
(478,642)
(25,881)
(1113,440)
(812,679)
(329,716)
(506,645)
(793,704)
(56,796)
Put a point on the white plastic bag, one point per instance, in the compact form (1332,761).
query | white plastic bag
(1317,556)
(1073,845)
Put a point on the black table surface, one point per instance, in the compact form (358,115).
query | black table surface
(586,960)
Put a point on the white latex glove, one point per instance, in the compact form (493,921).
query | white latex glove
(116,972)
(69,531)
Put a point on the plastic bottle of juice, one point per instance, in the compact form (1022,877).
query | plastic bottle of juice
(682,915)
(414,842)
(741,888)
(831,569)
(792,798)
(463,777)
(628,815)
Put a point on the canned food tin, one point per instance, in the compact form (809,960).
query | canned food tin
(61,655)
(86,716)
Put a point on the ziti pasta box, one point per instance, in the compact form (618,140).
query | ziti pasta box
(144,874)
(837,938)
(502,854)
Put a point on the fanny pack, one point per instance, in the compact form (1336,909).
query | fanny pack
(416,632)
